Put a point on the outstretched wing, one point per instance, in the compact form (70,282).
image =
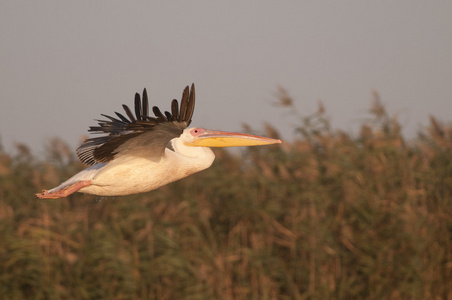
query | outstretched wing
(140,134)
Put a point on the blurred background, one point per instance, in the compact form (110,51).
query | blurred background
(63,64)
(355,204)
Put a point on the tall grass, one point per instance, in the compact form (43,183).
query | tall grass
(326,216)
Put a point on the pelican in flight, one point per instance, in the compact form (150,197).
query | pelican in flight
(142,152)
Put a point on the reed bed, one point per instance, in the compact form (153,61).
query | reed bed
(329,215)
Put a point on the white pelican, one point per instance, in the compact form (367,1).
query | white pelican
(143,153)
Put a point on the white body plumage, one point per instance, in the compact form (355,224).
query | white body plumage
(127,175)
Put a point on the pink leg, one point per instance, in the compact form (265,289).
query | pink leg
(64,192)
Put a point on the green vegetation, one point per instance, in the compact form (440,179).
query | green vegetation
(327,216)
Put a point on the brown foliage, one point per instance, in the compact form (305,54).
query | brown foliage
(326,216)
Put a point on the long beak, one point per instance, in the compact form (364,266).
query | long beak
(210,138)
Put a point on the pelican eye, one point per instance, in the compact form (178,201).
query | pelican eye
(196,131)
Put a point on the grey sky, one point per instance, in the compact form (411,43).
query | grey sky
(63,63)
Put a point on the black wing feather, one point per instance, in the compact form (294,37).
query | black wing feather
(190,106)
(183,104)
(129,113)
(138,106)
(124,119)
(144,112)
(158,114)
(139,130)
(169,117)
(175,109)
